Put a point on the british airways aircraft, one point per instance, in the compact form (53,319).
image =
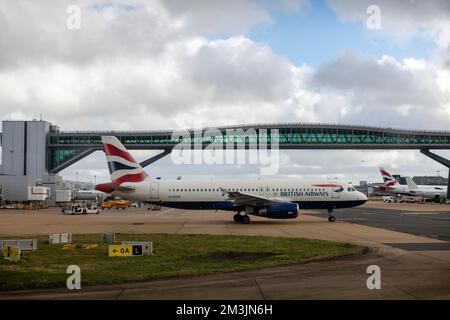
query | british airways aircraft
(435,193)
(274,198)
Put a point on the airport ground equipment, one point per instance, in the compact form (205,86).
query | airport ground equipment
(11,253)
(63,196)
(109,238)
(60,238)
(24,245)
(107,205)
(38,193)
(147,247)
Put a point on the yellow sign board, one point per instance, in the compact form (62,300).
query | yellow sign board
(124,251)
(11,253)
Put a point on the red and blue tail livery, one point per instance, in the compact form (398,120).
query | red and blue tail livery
(389,180)
(122,166)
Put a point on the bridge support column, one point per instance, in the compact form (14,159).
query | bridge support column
(441,160)
(155,158)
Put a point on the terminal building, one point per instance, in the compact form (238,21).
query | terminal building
(24,161)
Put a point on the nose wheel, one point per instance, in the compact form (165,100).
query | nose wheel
(331,217)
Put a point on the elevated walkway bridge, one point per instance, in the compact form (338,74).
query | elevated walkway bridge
(67,147)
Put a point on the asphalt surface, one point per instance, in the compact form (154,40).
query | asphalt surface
(410,247)
(434,225)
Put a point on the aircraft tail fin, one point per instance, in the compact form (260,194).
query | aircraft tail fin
(388,179)
(411,184)
(122,165)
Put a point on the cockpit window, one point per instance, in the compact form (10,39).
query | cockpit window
(351,189)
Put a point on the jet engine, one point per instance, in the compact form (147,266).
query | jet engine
(284,210)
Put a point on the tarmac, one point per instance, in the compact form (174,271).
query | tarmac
(413,256)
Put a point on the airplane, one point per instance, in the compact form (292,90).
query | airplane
(436,193)
(274,198)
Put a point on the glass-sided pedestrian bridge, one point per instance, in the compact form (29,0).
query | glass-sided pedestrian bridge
(68,147)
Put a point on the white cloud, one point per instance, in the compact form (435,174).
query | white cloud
(402,19)
(171,64)
(357,88)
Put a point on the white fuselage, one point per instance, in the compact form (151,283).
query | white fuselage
(426,191)
(208,194)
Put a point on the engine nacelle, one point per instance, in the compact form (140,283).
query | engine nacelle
(284,210)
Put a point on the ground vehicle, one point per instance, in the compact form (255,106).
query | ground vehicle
(86,210)
(121,204)
(410,199)
(154,207)
(77,209)
(389,199)
(107,205)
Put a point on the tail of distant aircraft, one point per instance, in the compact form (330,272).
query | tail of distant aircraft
(122,166)
(389,180)
(411,184)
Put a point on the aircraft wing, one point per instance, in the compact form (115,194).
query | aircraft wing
(242,198)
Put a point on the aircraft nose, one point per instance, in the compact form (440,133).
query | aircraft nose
(363,197)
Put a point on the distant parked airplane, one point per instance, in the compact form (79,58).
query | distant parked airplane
(437,193)
(275,199)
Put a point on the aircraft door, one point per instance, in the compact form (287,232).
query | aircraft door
(264,191)
(335,193)
(261,191)
(154,190)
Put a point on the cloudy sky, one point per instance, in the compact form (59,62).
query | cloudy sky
(169,64)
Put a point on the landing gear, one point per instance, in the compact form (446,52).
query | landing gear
(245,219)
(238,218)
(331,217)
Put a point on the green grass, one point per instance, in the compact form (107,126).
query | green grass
(175,255)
